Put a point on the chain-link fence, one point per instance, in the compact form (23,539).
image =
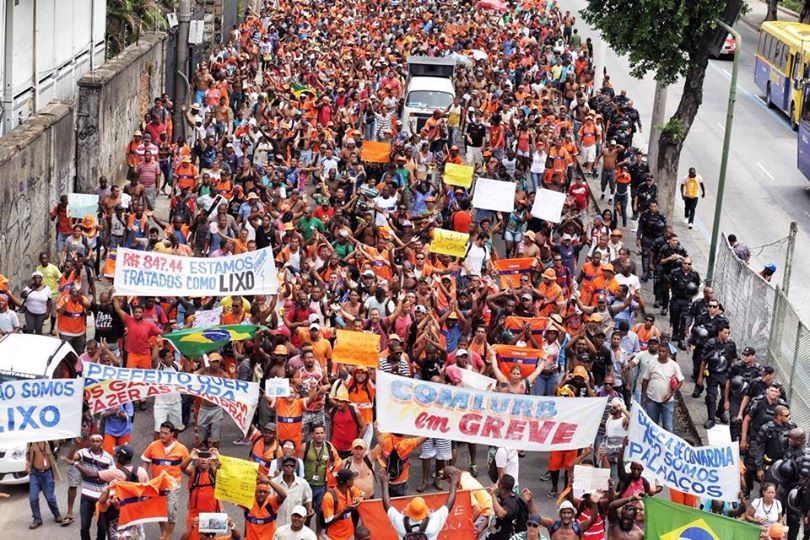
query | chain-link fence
(762,317)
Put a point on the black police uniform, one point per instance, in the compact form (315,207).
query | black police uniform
(650,227)
(770,445)
(740,377)
(760,412)
(704,328)
(644,193)
(798,459)
(663,272)
(718,356)
(683,286)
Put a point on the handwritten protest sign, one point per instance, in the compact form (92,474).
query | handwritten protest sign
(458,175)
(277,387)
(236,481)
(375,152)
(590,480)
(705,471)
(494,195)
(356,348)
(449,242)
(146,273)
(524,357)
(207,317)
(459,524)
(548,205)
(40,410)
(109,386)
(82,204)
(517,421)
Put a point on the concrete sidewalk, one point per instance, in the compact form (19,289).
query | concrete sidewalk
(757,9)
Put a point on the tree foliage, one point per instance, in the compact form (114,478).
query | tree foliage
(126,19)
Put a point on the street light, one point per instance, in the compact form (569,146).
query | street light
(721,182)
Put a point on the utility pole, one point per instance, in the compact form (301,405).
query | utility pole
(791,248)
(658,113)
(721,180)
(181,64)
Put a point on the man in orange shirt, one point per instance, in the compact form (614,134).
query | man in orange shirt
(260,519)
(265,447)
(337,507)
(393,453)
(166,455)
(185,175)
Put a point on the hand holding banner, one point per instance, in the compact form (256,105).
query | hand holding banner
(357,348)
(40,410)
(494,195)
(459,524)
(458,175)
(82,204)
(236,481)
(276,387)
(449,242)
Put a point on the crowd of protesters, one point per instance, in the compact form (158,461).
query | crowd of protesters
(270,156)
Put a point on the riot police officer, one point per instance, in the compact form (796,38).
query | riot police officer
(646,191)
(771,441)
(696,309)
(740,375)
(669,258)
(787,474)
(651,225)
(759,413)
(684,283)
(718,355)
(705,327)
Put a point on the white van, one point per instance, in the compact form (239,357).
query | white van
(430,86)
(29,356)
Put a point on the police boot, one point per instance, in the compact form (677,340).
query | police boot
(697,391)
(724,417)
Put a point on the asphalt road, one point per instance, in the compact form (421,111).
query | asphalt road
(764,189)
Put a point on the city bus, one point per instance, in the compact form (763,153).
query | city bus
(782,65)
(803,141)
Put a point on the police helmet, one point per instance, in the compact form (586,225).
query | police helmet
(785,471)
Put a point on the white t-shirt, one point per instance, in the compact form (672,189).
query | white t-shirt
(659,376)
(632,282)
(386,206)
(8,322)
(508,460)
(436,521)
(37,301)
(475,259)
(285,532)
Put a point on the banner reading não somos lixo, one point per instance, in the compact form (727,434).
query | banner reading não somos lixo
(108,386)
(40,410)
(517,421)
(705,471)
(141,273)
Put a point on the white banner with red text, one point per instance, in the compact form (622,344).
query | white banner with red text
(109,386)
(534,423)
(146,273)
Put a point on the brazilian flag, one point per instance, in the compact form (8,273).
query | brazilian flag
(670,521)
(194,342)
(299,90)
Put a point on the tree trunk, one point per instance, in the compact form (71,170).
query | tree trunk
(671,140)
(771,15)
(804,16)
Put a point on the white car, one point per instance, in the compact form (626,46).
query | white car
(29,356)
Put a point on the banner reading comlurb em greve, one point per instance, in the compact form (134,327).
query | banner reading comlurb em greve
(517,421)
(142,273)
(109,386)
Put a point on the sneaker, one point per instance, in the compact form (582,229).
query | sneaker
(35,525)
(709,424)
(552,494)
(546,476)
(610,200)
(474,470)
(690,225)
(602,197)
(242,442)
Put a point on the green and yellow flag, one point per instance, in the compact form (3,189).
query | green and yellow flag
(299,90)
(665,520)
(195,342)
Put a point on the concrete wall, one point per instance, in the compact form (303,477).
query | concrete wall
(36,167)
(111,104)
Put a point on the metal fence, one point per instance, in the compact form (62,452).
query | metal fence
(762,317)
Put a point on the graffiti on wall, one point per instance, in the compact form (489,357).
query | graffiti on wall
(15,239)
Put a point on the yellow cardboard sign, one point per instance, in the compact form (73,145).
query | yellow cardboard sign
(356,348)
(236,481)
(458,175)
(449,242)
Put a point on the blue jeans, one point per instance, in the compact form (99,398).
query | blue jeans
(60,243)
(317,496)
(660,413)
(42,481)
(537,180)
(544,385)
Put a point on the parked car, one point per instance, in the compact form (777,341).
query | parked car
(729,48)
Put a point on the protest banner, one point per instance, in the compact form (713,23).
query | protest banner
(476,381)
(40,410)
(459,524)
(664,520)
(705,471)
(277,387)
(109,386)
(548,205)
(375,152)
(590,480)
(356,348)
(458,175)
(143,503)
(510,270)
(82,204)
(525,358)
(195,342)
(236,481)
(449,242)
(531,423)
(537,326)
(146,273)
(494,195)
(207,317)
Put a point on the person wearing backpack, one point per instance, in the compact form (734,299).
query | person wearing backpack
(346,424)
(321,461)
(393,453)
(337,506)
(416,521)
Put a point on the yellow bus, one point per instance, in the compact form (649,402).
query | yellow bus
(782,64)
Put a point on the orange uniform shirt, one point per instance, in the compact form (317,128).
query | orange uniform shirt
(290,420)
(162,459)
(339,525)
(260,520)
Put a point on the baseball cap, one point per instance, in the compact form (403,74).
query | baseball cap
(368,273)
(269,426)
(394,337)
(36,273)
(749,351)
(359,443)
(533,519)
(280,349)
(462,352)
(420,309)
(124,452)
(299,510)
(567,505)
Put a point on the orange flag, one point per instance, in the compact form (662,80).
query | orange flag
(515,324)
(143,503)
(522,357)
(510,270)
(375,152)
(459,524)
(356,348)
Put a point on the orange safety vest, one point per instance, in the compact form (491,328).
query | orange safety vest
(132,154)
(260,520)
(185,174)
(290,420)
(264,456)
(72,322)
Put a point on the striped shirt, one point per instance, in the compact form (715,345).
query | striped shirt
(92,487)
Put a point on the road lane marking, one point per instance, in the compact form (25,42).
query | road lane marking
(721,126)
(726,72)
(763,169)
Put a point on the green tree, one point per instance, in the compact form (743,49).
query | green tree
(668,39)
(126,19)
